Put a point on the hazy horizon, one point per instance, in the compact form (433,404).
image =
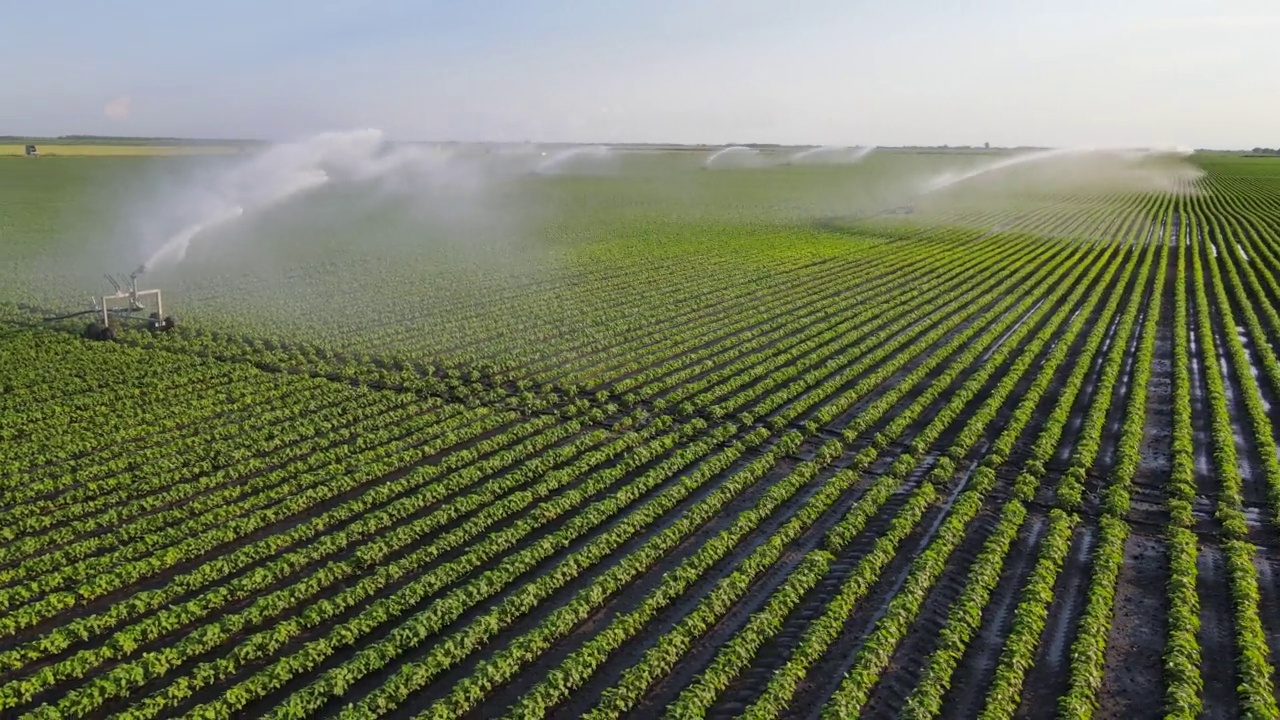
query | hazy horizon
(1190,73)
(582,143)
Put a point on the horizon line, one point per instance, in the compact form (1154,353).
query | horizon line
(173,139)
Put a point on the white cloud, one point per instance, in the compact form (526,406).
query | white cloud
(118,109)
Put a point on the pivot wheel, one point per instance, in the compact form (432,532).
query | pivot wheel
(158,325)
(96,331)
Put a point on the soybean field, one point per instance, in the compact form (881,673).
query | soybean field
(702,444)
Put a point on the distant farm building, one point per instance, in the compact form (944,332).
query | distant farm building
(32,151)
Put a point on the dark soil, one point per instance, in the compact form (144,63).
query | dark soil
(1217,635)
(1133,685)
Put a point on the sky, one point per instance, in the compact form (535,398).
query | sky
(1193,73)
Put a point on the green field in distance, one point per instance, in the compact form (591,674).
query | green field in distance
(646,438)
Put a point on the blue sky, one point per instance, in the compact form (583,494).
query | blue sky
(1199,73)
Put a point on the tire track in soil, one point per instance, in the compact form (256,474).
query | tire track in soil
(1206,486)
(902,674)
(746,687)
(507,694)
(1155,458)
(1217,635)
(826,674)
(1248,459)
(811,538)
(1133,671)
(511,691)
(1080,406)
(775,651)
(666,690)
(544,608)
(698,657)
(1132,681)
(914,649)
(1233,263)
(1268,566)
(1047,678)
(974,673)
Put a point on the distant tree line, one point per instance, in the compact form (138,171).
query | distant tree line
(117,140)
(1266,151)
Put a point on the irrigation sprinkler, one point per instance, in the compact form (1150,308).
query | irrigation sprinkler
(126,304)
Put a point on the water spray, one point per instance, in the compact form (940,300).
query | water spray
(285,172)
(252,186)
(831,154)
(559,161)
(730,151)
(175,249)
(946,180)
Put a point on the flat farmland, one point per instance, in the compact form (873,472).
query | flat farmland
(652,439)
(114,149)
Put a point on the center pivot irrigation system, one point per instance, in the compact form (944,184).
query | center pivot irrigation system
(126,304)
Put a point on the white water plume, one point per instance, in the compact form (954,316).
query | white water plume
(734,156)
(828,154)
(1176,150)
(948,179)
(283,172)
(174,250)
(1142,169)
(576,158)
